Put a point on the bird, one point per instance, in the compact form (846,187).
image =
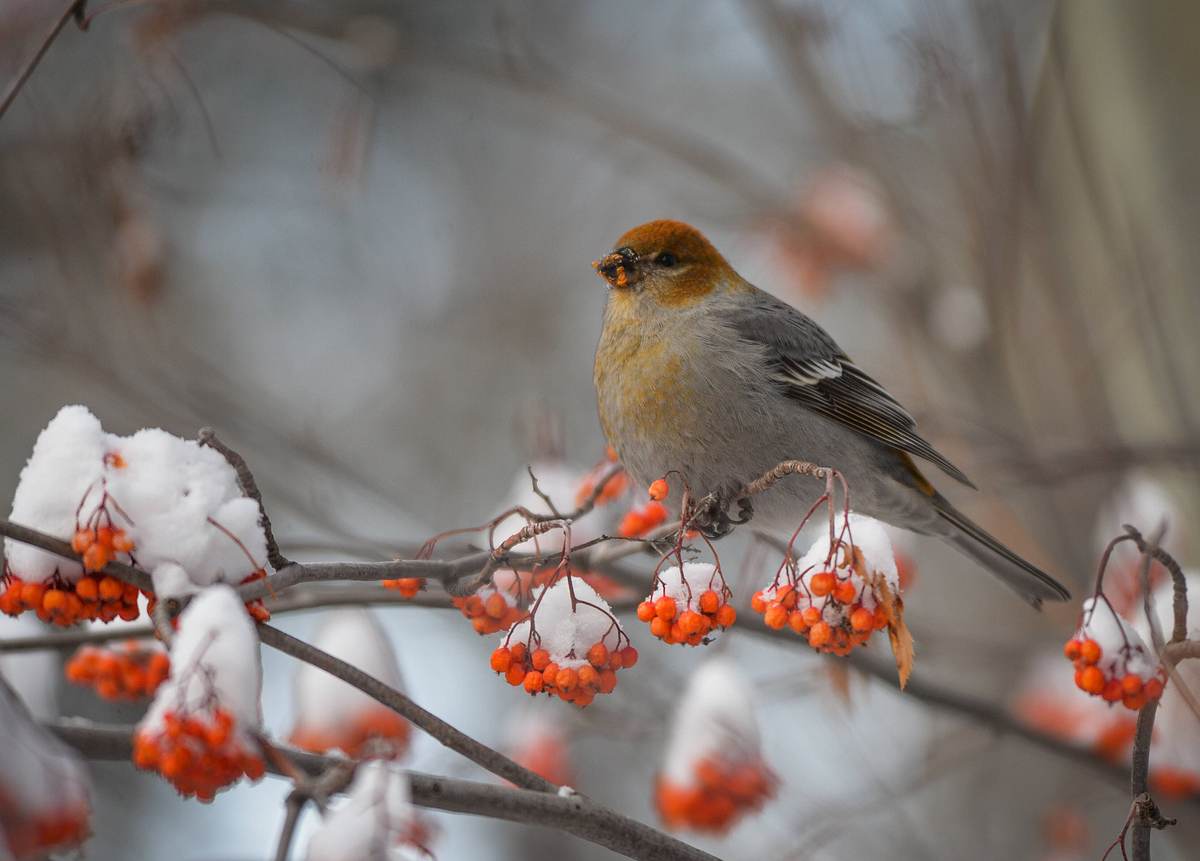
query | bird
(702,375)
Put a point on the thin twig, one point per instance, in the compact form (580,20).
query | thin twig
(293,807)
(73,9)
(249,486)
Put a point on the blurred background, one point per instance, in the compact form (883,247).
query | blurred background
(354,237)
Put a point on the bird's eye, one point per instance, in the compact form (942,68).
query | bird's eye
(666,259)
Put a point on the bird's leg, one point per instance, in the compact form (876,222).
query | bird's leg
(712,518)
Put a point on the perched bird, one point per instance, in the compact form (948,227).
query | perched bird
(700,372)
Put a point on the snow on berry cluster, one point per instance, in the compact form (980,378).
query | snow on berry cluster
(331,714)
(126,670)
(687,604)
(713,773)
(840,592)
(150,499)
(199,731)
(44,794)
(1111,660)
(376,821)
(571,646)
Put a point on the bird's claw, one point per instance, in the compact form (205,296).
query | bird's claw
(712,518)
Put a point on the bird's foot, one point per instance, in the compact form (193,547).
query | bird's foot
(712,518)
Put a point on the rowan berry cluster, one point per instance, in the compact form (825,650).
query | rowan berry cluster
(378,732)
(61,602)
(125,671)
(688,603)
(408,587)
(199,753)
(1110,659)
(839,593)
(721,792)
(494,607)
(40,834)
(571,645)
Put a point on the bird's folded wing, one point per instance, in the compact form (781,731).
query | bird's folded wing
(810,368)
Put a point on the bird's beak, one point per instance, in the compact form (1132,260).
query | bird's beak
(619,269)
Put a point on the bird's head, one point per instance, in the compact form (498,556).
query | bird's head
(665,262)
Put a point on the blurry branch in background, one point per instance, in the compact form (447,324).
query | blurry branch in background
(73,9)
(565,811)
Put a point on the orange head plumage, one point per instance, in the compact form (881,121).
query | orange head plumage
(667,261)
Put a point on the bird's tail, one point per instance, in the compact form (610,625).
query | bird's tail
(1026,579)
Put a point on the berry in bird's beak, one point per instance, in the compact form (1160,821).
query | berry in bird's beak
(619,268)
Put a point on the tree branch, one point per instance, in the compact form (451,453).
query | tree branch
(570,812)
(482,755)
(73,9)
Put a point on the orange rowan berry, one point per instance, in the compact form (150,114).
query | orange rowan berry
(820,634)
(1092,680)
(1073,649)
(566,679)
(540,659)
(473,606)
(665,608)
(519,651)
(758,603)
(588,676)
(845,592)
(104,535)
(796,622)
(88,588)
(709,602)
(1153,689)
(1134,702)
(584,697)
(533,682)
(607,681)
(495,606)
(110,589)
(550,674)
(122,543)
(1090,651)
(82,540)
(1131,684)
(598,655)
(690,622)
(632,525)
(1112,691)
(654,513)
(786,595)
(812,615)
(645,611)
(822,584)
(127,613)
(629,657)
(515,674)
(501,659)
(659,489)
(862,619)
(726,615)
(660,628)
(54,600)
(32,594)
(95,557)
(776,616)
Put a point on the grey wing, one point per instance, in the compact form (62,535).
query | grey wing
(810,368)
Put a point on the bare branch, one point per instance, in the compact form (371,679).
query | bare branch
(73,9)
(456,740)
(566,811)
